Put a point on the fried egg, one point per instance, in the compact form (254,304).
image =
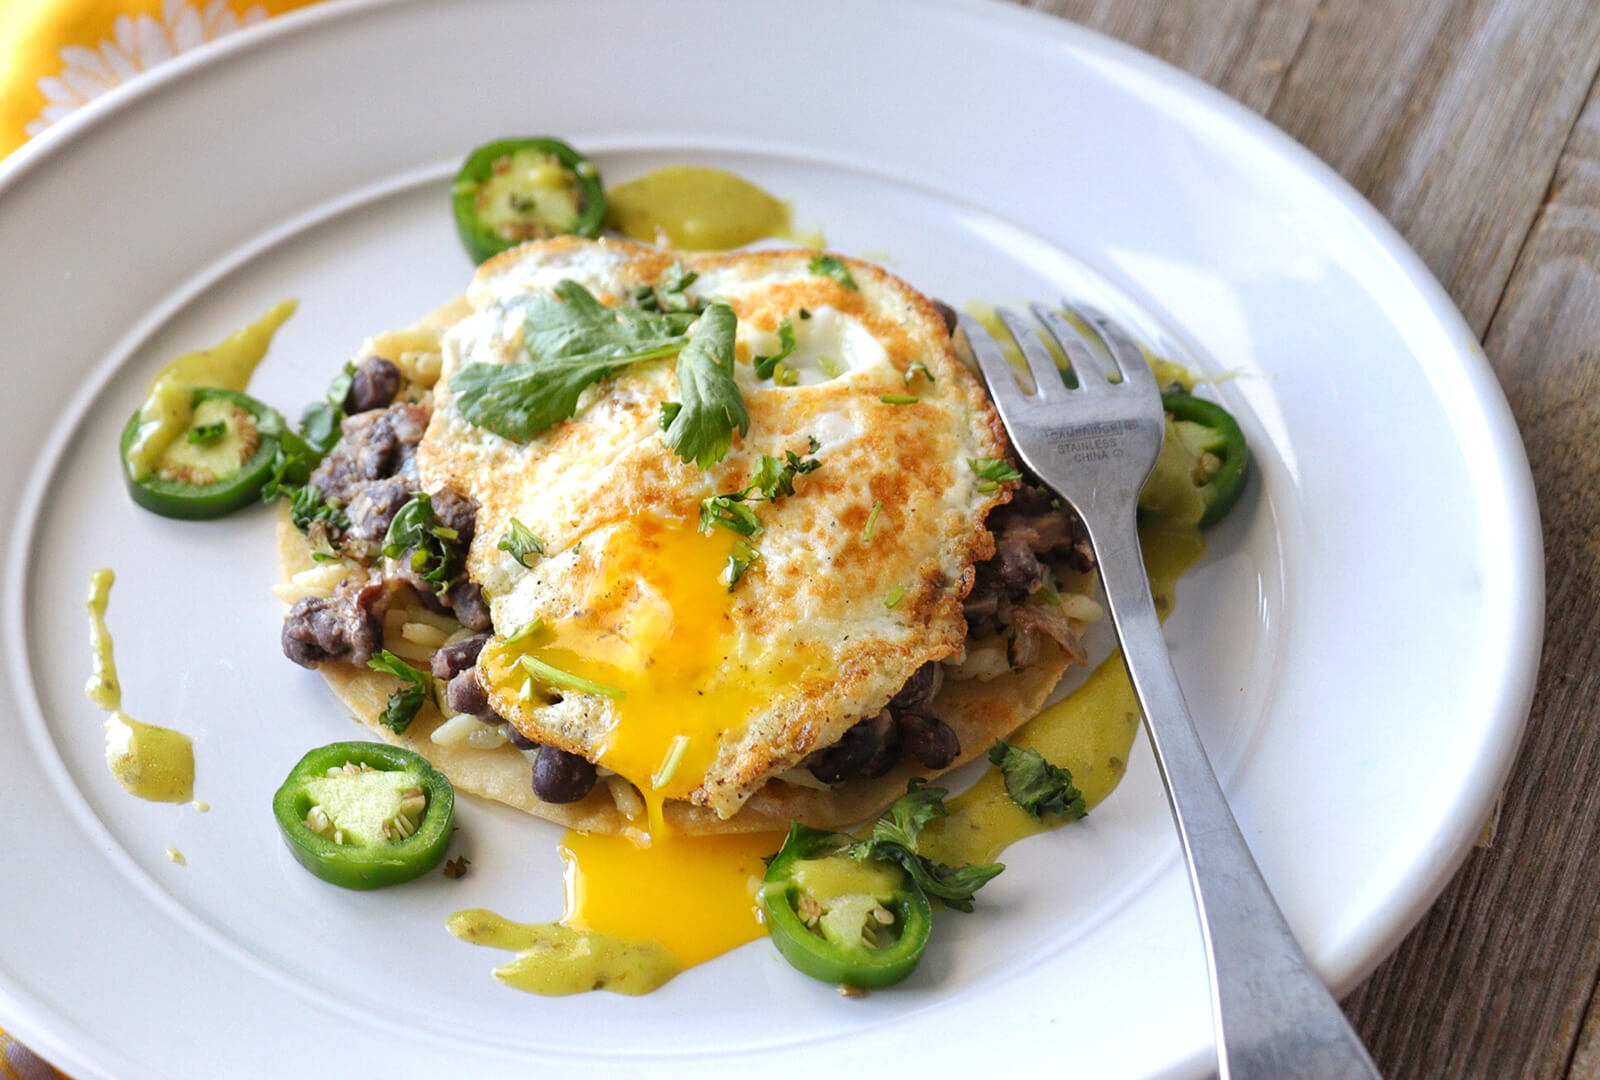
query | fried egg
(713,688)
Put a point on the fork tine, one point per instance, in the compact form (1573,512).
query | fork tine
(1084,363)
(1130,359)
(997,371)
(1047,382)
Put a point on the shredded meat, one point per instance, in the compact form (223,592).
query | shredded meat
(346,626)
(1033,620)
(372,508)
(372,446)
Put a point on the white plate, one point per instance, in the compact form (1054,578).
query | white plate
(1358,646)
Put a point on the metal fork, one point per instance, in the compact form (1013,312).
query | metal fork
(1094,445)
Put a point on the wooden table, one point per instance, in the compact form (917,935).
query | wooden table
(1473,126)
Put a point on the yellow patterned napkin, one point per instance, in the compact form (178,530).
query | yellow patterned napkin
(55,57)
(17,1062)
(58,55)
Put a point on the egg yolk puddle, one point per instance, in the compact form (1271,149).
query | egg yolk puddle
(654,636)
(693,894)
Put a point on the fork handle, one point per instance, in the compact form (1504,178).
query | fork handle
(1272,1014)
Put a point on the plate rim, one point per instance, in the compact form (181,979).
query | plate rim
(1495,758)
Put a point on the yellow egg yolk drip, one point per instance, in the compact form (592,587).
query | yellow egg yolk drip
(693,894)
(655,637)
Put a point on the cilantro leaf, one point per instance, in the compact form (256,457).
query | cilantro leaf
(434,556)
(320,425)
(739,561)
(730,512)
(992,472)
(307,507)
(1034,784)
(904,821)
(339,388)
(766,366)
(406,702)
(773,479)
(713,408)
(669,413)
(520,541)
(321,420)
(572,341)
(894,839)
(952,884)
(834,267)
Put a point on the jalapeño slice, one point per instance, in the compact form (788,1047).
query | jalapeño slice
(217,465)
(363,815)
(514,190)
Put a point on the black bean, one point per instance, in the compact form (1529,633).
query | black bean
(374,385)
(455,658)
(560,777)
(518,739)
(456,511)
(920,688)
(948,314)
(928,739)
(466,695)
(471,610)
(864,744)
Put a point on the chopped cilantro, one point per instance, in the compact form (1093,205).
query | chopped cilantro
(739,561)
(896,594)
(406,702)
(307,506)
(766,365)
(206,434)
(832,266)
(520,542)
(872,522)
(992,472)
(434,556)
(894,839)
(898,399)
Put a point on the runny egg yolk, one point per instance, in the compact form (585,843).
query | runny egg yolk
(693,894)
(655,630)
